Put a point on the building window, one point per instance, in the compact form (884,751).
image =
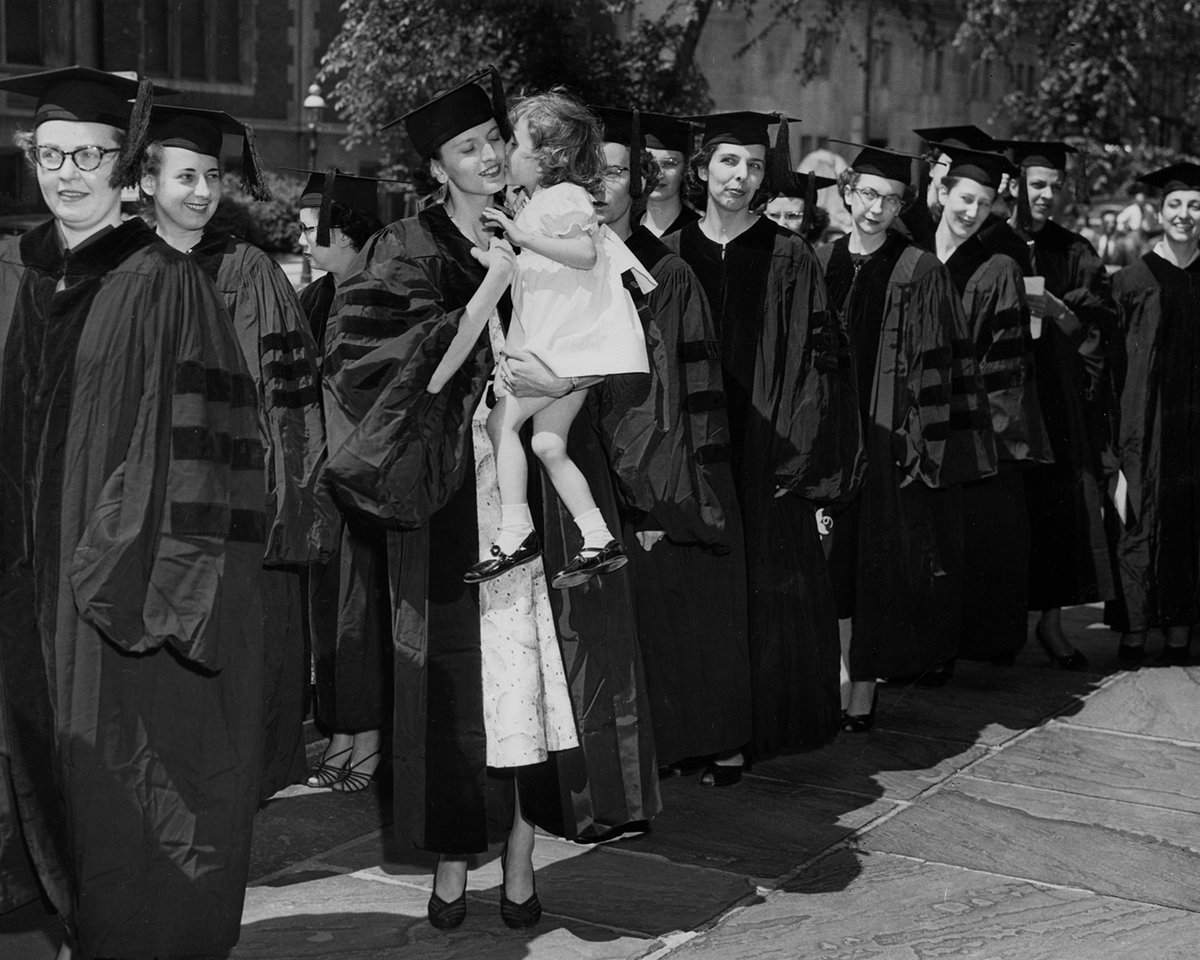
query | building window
(199,40)
(21,32)
(882,67)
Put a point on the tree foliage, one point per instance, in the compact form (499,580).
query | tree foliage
(392,55)
(1117,77)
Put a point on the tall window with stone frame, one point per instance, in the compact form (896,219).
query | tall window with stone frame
(21,33)
(199,40)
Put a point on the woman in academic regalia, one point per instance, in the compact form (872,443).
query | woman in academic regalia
(995,517)
(897,546)
(131,653)
(1157,492)
(669,141)
(348,596)
(1078,343)
(795,442)
(181,179)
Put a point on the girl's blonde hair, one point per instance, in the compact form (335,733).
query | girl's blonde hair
(566,137)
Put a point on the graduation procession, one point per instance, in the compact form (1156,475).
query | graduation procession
(595,528)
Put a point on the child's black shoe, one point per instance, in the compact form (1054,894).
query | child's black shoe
(588,563)
(498,562)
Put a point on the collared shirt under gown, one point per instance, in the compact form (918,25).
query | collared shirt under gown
(396,316)
(1069,561)
(796,444)
(897,550)
(669,441)
(1156,548)
(282,359)
(995,515)
(130,629)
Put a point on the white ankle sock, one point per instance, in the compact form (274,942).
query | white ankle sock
(515,525)
(595,531)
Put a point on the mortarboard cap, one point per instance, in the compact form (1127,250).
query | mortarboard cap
(455,111)
(1038,153)
(746,128)
(1178,176)
(203,131)
(85,95)
(961,135)
(881,162)
(800,185)
(985,167)
(618,125)
(662,132)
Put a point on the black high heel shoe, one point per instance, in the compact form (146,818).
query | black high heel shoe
(1074,661)
(326,774)
(861,722)
(517,916)
(1176,656)
(446,914)
(353,780)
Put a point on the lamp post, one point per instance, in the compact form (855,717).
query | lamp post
(314,106)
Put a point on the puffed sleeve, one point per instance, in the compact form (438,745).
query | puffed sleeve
(564,210)
(183,509)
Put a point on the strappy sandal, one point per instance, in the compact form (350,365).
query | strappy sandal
(352,780)
(325,774)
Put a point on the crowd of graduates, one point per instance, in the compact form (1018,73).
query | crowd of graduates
(847,464)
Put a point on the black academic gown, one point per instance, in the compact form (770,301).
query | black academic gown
(795,445)
(1156,548)
(282,358)
(995,515)
(686,215)
(404,459)
(315,301)
(668,435)
(896,558)
(1069,561)
(131,655)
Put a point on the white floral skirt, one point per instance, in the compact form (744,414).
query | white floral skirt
(526,704)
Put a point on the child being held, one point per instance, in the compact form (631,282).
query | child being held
(573,313)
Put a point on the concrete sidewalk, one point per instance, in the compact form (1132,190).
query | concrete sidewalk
(1015,813)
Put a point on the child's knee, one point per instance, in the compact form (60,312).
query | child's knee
(548,447)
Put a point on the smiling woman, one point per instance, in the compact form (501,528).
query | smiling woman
(181,177)
(130,647)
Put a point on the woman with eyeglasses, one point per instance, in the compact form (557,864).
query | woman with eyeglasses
(795,440)
(131,654)
(669,141)
(897,546)
(181,181)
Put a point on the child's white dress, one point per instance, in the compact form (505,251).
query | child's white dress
(579,323)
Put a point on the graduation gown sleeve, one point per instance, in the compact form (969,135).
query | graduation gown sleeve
(147,568)
(668,433)
(805,379)
(403,451)
(943,431)
(282,356)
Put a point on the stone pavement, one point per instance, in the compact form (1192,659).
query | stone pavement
(1015,814)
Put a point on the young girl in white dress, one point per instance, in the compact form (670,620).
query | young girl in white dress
(572,312)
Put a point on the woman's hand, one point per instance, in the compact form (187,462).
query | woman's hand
(497,217)
(498,256)
(526,376)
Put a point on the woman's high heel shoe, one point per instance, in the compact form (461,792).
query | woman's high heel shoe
(861,722)
(1074,661)
(517,916)
(326,774)
(353,780)
(447,914)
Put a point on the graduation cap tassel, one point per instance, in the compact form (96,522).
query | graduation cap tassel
(125,174)
(253,176)
(1024,217)
(500,104)
(325,215)
(810,198)
(782,175)
(635,155)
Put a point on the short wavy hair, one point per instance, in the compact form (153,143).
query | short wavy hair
(566,137)
(696,190)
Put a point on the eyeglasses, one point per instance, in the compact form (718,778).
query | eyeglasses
(85,158)
(614,173)
(891,202)
(670,164)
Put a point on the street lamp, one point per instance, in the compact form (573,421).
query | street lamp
(314,106)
